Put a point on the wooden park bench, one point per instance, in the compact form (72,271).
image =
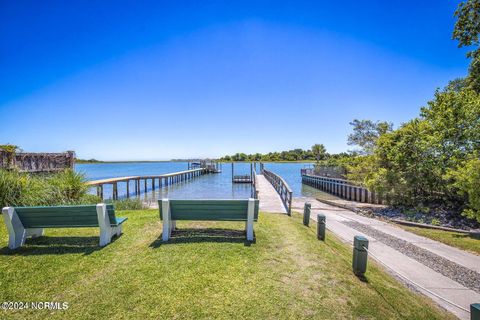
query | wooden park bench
(207,210)
(23,222)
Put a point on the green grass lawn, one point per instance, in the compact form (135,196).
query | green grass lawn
(207,273)
(454,239)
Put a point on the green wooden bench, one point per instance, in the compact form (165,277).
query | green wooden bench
(23,222)
(207,210)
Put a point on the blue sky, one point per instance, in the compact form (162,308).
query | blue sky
(154,80)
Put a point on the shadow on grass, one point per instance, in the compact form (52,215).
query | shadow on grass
(194,235)
(56,245)
(475,236)
(363,278)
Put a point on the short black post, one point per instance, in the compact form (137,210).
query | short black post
(321,226)
(475,311)
(306,213)
(360,255)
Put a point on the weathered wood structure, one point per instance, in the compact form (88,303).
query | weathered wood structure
(37,162)
(341,188)
(211,166)
(242,178)
(163,180)
(282,188)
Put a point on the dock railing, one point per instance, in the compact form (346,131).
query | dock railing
(282,188)
(341,188)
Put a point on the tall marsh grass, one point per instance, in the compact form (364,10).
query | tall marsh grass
(23,189)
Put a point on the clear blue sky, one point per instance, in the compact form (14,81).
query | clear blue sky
(153,80)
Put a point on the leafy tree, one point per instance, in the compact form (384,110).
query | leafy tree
(366,132)
(466,31)
(467,181)
(407,168)
(416,164)
(239,157)
(257,157)
(455,119)
(319,151)
(467,26)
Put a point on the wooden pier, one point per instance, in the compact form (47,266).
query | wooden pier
(156,181)
(270,200)
(281,187)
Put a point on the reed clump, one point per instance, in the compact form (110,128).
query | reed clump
(23,189)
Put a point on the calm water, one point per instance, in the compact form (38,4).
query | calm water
(211,186)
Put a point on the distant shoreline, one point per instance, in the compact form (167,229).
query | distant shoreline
(125,161)
(162,161)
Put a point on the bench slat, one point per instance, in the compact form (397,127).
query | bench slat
(210,210)
(62,216)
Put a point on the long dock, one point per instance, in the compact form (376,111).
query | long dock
(270,200)
(163,180)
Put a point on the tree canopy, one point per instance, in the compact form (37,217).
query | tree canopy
(366,132)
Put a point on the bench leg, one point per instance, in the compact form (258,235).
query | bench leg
(34,232)
(16,232)
(166,232)
(117,230)
(105,237)
(106,231)
(250,216)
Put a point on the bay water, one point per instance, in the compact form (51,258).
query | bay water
(209,186)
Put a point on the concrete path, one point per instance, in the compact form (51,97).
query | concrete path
(270,201)
(410,256)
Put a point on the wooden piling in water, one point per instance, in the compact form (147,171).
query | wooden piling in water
(115,191)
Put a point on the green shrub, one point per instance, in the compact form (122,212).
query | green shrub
(416,164)
(67,187)
(20,189)
(467,181)
(23,189)
(128,204)
(11,186)
(89,199)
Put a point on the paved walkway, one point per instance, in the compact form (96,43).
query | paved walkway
(270,201)
(448,272)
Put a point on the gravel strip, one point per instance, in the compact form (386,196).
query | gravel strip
(458,273)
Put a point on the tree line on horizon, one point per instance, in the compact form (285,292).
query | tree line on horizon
(316,153)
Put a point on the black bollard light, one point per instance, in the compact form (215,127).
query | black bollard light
(360,255)
(321,226)
(475,311)
(306,213)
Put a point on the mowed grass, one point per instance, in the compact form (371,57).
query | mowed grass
(454,239)
(201,274)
